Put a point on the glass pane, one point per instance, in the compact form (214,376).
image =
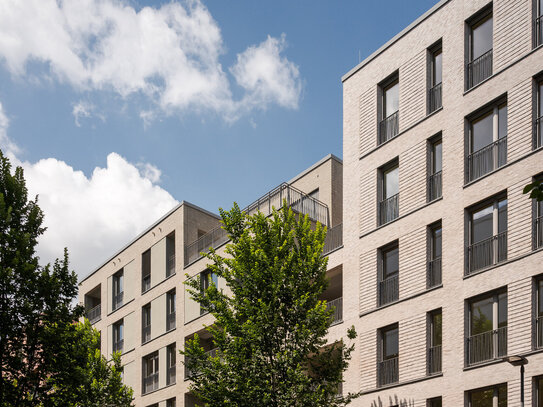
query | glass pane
(482,398)
(502,121)
(540,7)
(437,68)
(502,215)
(436,243)
(121,331)
(392,100)
(390,344)
(435,402)
(437,161)
(391,183)
(540,298)
(436,329)
(481,132)
(540,392)
(481,316)
(539,208)
(391,263)
(502,396)
(481,225)
(540,97)
(481,38)
(502,310)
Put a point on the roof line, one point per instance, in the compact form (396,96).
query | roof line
(317,164)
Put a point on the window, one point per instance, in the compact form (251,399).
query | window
(389,106)
(118,336)
(434,255)
(170,310)
(479,66)
(146,271)
(207,278)
(389,193)
(93,307)
(539,313)
(487,143)
(537,231)
(170,402)
(487,235)
(434,342)
(435,166)
(487,338)
(538,23)
(387,365)
(146,323)
(435,77)
(150,372)
(538,393)
(435,402)
(170,364)
(118,289)
(170,255)
(488,396)
(538,123)
(389,273)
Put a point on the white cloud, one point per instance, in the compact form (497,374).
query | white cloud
(83,109)
(9,147)
(170,54)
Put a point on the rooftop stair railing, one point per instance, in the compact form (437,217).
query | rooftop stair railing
(479,69)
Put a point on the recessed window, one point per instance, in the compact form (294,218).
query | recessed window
(435,167)
(207,277)
(118,336)
(170,310)
(389,193)
(434,402)
(538,337)
(146,323)
(434,342)
(435,77)
(537,223)
(146,271)
(150,372)
(118,289)
(170,364)
(488,396)
(434,255)
(389,260)
(538,122)
(387,365)
(538,393)
(479,66)
(538,23)
(389,106)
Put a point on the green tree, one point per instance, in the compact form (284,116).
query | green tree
(535,189)
(41,354)
(270,324)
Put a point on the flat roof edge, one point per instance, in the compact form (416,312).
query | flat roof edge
(317,164)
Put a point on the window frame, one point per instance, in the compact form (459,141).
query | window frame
(494,387)
(432,53)
(117,289)
(118,335)
(471,24)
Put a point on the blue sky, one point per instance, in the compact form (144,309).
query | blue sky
(263,102)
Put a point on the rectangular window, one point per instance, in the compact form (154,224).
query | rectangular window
(170,310)
(146,323)
(150,372)
(170,255)
(389,106)
(435,77)
(538,23)
(537,227)
(207,277)
(387,365)
(389,193)
(488,396)
(487,235)
(434,255)
(170,402)
(434,342)
(170,364)
(389,273)
(479,65)
(538,391)
(539,313)
(118,289)
(435,167)
(434,402)
(93,307)
(118,336)
(538,122)
(487,339)
(146,271)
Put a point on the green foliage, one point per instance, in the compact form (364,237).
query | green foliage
(270,324)
(535,189)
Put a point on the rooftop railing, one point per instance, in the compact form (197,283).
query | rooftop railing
(337,307)
(487,159)
(334,239)
(487,252)
(434,186)
(389,127)
(94,314)
(389,290)
(434,359)
(434,272)
(150,383)
(479,69)
(538,233)
(389,209)
(487,346)
(387,372)
(434,98)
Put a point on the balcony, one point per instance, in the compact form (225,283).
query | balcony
(434,360)
(94,314)
(487,253)
(487,346)
(537,241)
(389,127)
(538,133)
(170,270)
(479,69)
(150,383)
(145,283)
(388,290)
(337,307)
(434,272)
(434,98)
(146,334)
(389,209)
(434,186)
(118,346)
(118,300)
(170,321)
(188,373)
(334,239)
(539,332)
(538,31)
(487,159)
(387,372)
(298,201)
(170,378)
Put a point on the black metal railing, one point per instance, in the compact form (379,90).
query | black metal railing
(434,272)
(145,283)
(434,359)
(487,159)
(118,300)
(537,240)
(171,265)
(389,127)
(150,383)
(298,201)
(337,307)
(538,133)
(118,345)
(389,290)
(434,186)
(94,314)
(487,346)
(146,333)
(479,69)
(539,332)
(334,239)
(170,321)
(434,98)
(170,378)
(538,31)
(389,209)
(387,372)
(487,252)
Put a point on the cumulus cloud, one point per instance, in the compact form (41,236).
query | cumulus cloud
(170,54)
(84,109)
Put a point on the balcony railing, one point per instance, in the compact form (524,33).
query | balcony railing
(487,346)
(538,31)
(118,346)
(188,373)
(389,127)
(334,239)
(537,241)
(434,98)
(146,334)
(387,372)
(538,133)
(539,332)
(479,69)
(297,200)
(337,306)
(145,283)
(487,159)
(170,321)
(434,272)
(434,186)
(434,360)
(487,252)
(388,290)
(150,383)
(118,300)
(171,265)
(389,209)
(170,378)
(94,314)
